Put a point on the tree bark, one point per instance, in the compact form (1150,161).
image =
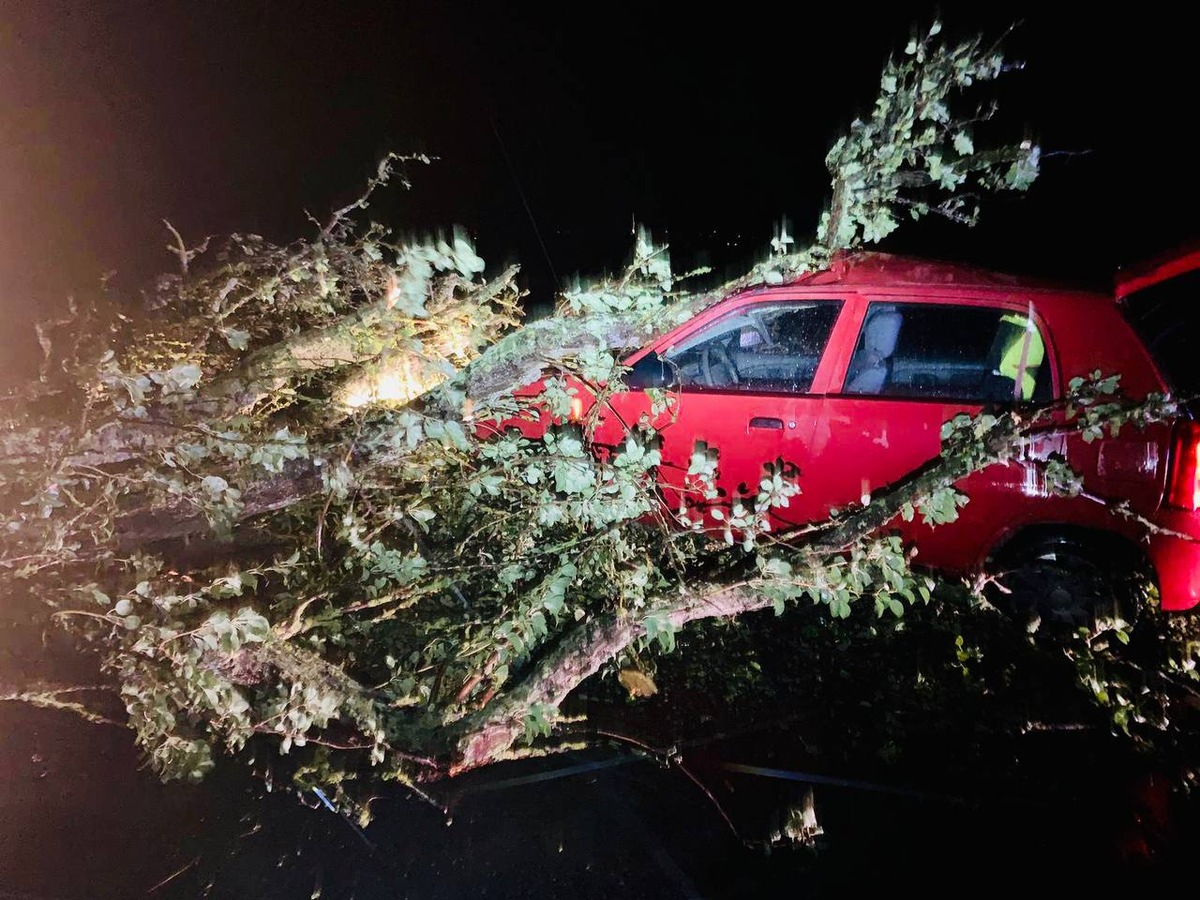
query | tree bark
(489,734)
(300,481)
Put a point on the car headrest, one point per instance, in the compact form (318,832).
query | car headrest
(882,331)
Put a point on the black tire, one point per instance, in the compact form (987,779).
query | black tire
(1064,584)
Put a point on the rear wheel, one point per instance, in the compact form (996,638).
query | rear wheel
(1063,584)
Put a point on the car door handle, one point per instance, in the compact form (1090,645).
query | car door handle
(766,422)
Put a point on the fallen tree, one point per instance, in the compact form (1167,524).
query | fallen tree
(263,500)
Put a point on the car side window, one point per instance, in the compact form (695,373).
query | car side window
(940,351)
(772,347)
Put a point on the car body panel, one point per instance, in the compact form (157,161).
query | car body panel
(850,446)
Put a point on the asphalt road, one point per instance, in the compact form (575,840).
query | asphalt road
(80,818)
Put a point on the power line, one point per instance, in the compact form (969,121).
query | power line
(517,181)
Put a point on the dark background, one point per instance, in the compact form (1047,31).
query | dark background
(555,127)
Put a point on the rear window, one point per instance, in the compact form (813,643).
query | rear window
(930,351)
(1167,318)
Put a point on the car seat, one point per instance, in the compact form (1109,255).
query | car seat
(872,364)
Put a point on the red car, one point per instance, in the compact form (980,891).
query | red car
(848,375)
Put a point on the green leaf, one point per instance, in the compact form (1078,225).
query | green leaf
(777,568)
(178,379)
(422,517)
(214,485)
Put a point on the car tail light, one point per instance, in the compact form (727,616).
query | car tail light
(575,414)
(1183,480)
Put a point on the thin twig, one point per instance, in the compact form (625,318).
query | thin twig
(181,250)
(174,875)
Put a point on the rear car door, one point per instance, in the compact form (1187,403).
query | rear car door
(917,363)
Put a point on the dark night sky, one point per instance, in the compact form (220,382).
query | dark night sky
(706,126)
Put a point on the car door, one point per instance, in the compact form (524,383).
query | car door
(917,364)
(744,398)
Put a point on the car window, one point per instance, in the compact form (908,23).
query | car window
(1166,316)
(765,347)
(971,353)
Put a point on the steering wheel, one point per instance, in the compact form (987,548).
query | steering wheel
(713,359)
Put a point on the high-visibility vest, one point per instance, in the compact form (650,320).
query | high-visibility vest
(1022,354)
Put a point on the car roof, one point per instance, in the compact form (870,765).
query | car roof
(874,269)
(888,271)
(1089,331)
